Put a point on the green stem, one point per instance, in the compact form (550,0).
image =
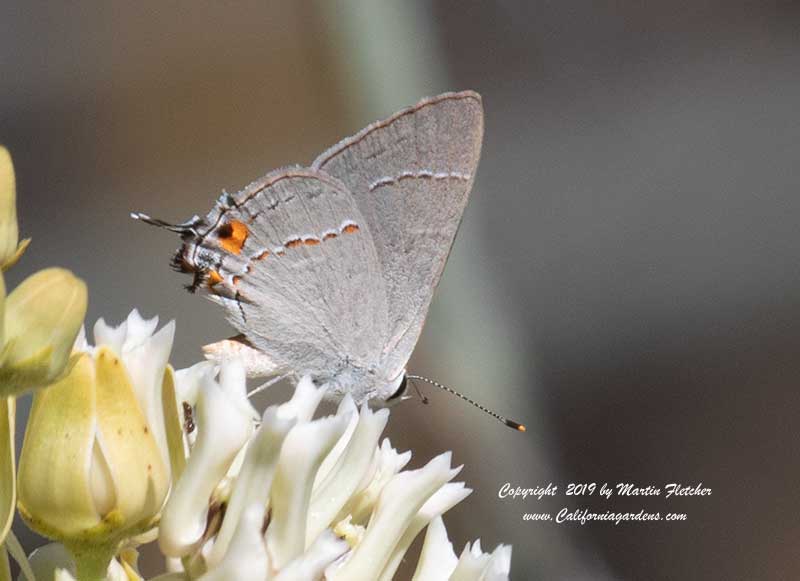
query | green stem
(92,560)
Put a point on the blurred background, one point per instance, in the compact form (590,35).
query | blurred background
(626,280)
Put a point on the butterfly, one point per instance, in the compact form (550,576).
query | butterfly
(329,270)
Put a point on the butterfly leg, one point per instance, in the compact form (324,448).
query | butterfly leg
(269,383)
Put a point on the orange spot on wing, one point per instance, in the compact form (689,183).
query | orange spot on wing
(263,255)
(351,229)
(311,241)
(236,280)
(232,236)
(329,236)
(214,278)
(293,243)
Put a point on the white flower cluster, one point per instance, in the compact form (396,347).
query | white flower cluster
(279,496)
(306,498)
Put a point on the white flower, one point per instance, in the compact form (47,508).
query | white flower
(94,467)
(225,423)
(318,499)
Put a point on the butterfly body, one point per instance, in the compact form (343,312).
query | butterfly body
(329,270)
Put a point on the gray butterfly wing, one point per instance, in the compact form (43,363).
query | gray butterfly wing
(291,259)
(411,176)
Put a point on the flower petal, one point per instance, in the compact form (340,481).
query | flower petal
(400,500)
(386,464)
(312,564)
(173,425)
(303,450)
(140,475)
(346,407)
(254,481)
(437,561)
(246,557)
(112,337)
(499,567)
(304,401)
(443,500)
(145,356)
(53,483)
(233,381)
(138,331)
(475,565)
(188,381)
(224,426)
(342,482)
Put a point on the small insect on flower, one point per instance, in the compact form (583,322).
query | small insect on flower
(188,418)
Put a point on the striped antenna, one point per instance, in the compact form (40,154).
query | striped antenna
(188,226)
(510,423)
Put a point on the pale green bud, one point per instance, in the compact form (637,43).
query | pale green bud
(10,247)
(91,472)
(43,316)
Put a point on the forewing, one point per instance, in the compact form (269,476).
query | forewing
(292,260)
(411,176)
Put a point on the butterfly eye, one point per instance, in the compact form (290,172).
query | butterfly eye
(400,393)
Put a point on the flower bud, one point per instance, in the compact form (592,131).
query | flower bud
(10,249)
(42,318)
(91,472)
